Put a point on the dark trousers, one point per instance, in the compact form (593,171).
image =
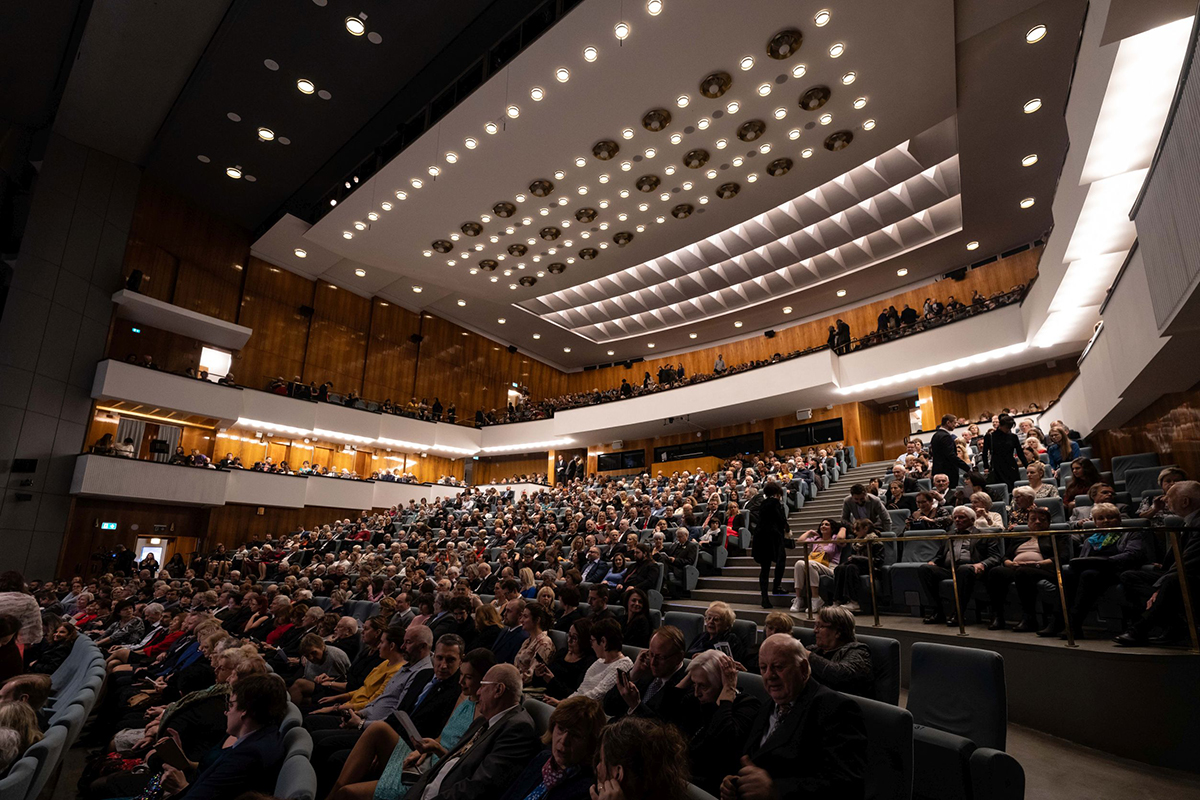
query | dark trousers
(1083,588)
(764,571)
(931,577)
(1027,579)
(1167,612)
(847,579)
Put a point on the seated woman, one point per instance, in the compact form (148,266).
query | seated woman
(1102,558)
(616,571)
(896,500)
(487,626)
(823,556)
(642,759)
(528,584)
(602,674)
(636,629)
(838,660)
(564,674)
(1060,447)
(1084,475)
(381,752)
(1027,562)
(718,633)
(1020,506)
(981,503)
(535,620)
(1035,471)
(563,771)
(847,575)
(715,719)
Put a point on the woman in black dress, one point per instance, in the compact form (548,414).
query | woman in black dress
(768,544)
(1006,449)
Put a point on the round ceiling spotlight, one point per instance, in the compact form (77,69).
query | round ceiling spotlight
(471,143)
(623,238)
(695,159)
(559,175)
(733,106)
(266,134)
(347,235)
(371,215)
(838,141)
(562,74)
(472,228)
(902,272)
(868,125)
(355,26)
(849,78)
(728,190)
(1032,105)
(746,63)
(537,94)
(815,98)
(541,188)
(512,112)
(442,246)
(300,253)
(556,268)
(656,120)
(1029,160)
(234,172)
(778,167)
(799,70)
(764,89)
(822,18)
(590,54)
(682,101)
(860,103)
(1027,202)
(715,85)
(417,183)
(550,233)
(1035,34)
(787,309)
(751,130)
(676,138)
(621,31)
(491,128)
(306,86)
(488,265)
(682,211)
(841,292)
(605,149)
(784,44)
(972,245)
(386,206)
(588,253)
(836,50)
(825,119)
(648,183)
(654,7)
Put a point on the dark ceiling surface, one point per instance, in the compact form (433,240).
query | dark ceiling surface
(373,88)
(34,42)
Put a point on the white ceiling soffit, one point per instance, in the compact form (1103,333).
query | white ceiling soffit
(890,49)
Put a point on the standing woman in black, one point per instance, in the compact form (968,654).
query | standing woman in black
(1006,449)
(767,546)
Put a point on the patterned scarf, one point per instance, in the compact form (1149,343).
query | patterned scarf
(1101,540)
(552,775)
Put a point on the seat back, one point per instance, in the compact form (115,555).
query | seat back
(996,775)
(694,792)
(291,719)
(16,783)
(297,780)
(689,624)
(885,664)
(297,743)
(1055,505)
(559,638)
(747,631)
(890,757)
(1122,464)
(998,492)
(959,690)
(752,684)
(1139,479)
(72,719)
(48,753)
(540,712)
(899,516)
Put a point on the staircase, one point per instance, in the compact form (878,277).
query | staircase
(737,584)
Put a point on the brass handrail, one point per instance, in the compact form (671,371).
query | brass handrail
(1172,532)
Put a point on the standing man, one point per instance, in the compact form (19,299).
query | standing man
(944,453)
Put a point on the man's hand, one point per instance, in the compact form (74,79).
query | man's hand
(978,568)
(1150,602)
(750,783)
(629,692)
(353,721)
(641,665)
(173,781)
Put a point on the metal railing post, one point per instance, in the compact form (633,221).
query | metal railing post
(1184,591)
(962,629)
(1062,594)
(871,578)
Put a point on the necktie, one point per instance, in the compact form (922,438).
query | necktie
(474,740)
(425,692)
(655,686)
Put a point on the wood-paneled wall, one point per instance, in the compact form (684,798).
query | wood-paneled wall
(490,470)
(1170,426)
(1037,383)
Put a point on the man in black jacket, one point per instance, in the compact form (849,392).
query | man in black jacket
(808,742)
(679,555)
(656,673)
(596,568)
(944,454)
(971,558)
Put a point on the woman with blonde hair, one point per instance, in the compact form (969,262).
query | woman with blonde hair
(1035,471)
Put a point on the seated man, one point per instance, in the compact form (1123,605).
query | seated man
(656,672)
(861,504)
(971,558)
(492,752)
(678,556)
(1098,493)
(809,741)
(256,706)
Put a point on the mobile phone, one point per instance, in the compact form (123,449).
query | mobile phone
(168,751)
(724,648)
(540,659)
(623,677)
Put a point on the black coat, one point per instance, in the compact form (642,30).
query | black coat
(944,455)
(768,543)
(1006,450)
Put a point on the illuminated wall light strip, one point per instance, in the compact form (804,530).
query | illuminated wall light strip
(242,422)
(946,366)
(529,446)
(141,415)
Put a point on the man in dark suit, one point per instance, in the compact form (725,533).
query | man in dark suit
(899,473)
(572,469)
(944,454)
(655,675)
(596,568)
(971,558)
(514,635)
(680,554)
(570,602)
(256,706)
(642,575)
(492,751)
(809,742)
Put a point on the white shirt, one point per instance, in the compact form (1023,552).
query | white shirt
(435,785)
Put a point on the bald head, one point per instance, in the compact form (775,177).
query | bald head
(501,689)
(1183,498)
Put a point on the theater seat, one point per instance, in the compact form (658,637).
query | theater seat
(298,743)
(689,624)
(694,792)
(540,712)
(890,754)
(1139,480)
(297,780)
(1122,464)
(48,754)
(16,783)
(995,775)
(752,684)
(1055,505)
(559,638)
(885,661)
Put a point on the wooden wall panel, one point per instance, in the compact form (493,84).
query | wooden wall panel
(233,524)
(215,291)
(271,303)
(337,339)
(84,536)
(988,279)
(490,470)
(391,358)
(895,427)
(1170,427)
(158,267)
(1036,383)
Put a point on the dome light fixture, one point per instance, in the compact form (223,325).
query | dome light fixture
(836,49)
(306,86)
(822,18)
(234,172)
(794,134)
(799,70)
(491,128)
(590,54)
(682,101)
(780,112)
(266,134)
(806,152)
(860,103)
(746,63)
(1029,160)
(300,253)
(676,138)
(841,292)
(849,78)
(512,112)
(972,245)
(471,143)
(787,309)
(764,89)
(869,125)
(1027,202)
(355,26)
(562,74)
(537,94)
(1035,34)
(733,107)
(621,31)
(654,7)
(1032,105)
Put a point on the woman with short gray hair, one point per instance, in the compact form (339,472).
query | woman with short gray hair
(838,660)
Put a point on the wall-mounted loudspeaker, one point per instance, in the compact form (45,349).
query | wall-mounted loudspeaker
(307,311)
(769,334)
(416,338)
(512,348)
(803,414)
(134,283)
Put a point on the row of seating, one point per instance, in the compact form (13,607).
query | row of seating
(75,685)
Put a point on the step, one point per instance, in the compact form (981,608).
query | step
(749,611)
(735,583)
(750,598)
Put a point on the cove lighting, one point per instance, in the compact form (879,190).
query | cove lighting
(508,448)
(947,366)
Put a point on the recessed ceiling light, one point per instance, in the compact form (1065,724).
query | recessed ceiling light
(580,162)
(654,7)
(703,123)
(611,352)
(386,206)
(1027,202)
(641,228)
(787,309)
(621,30)
(841,292)
(559,175)
(822,18)
(401,195)
(471,143)
(836,49)
(347,235)
(451,157)
(537,336)
(669,169)
(902,272)
(627,133)
(491,128)
(676,138)
(589,54)
(234,172)
(712,173)
(682,101)
(747,62)
(643,206)
(360,226)
(305,86)
(512,111)
(1035,34)
(521,199)
(849,78)
(434,171)
(737,324)
(266,134)
(692,335)
(733,107)
(651,152)
(1033,105)
(502,320)
(799,70)
(704,200)
(563,74)
(794,134)
(687,186)
(752,177)
(462,303)
(626,166)
(355,26)
(300,253)
(860,103)
(738,161)
(764,89)
(372,215)
(650,345)
(722,144)
(825,119)
(473,271)
(780,112)
(537,93)
(417,183)
(806,152)
(664,196)
(454,237)
(869,125)
(764,148)
(972,245)
(566,349)
(582,190)
(1029,160)
(494,279)
(427,253)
